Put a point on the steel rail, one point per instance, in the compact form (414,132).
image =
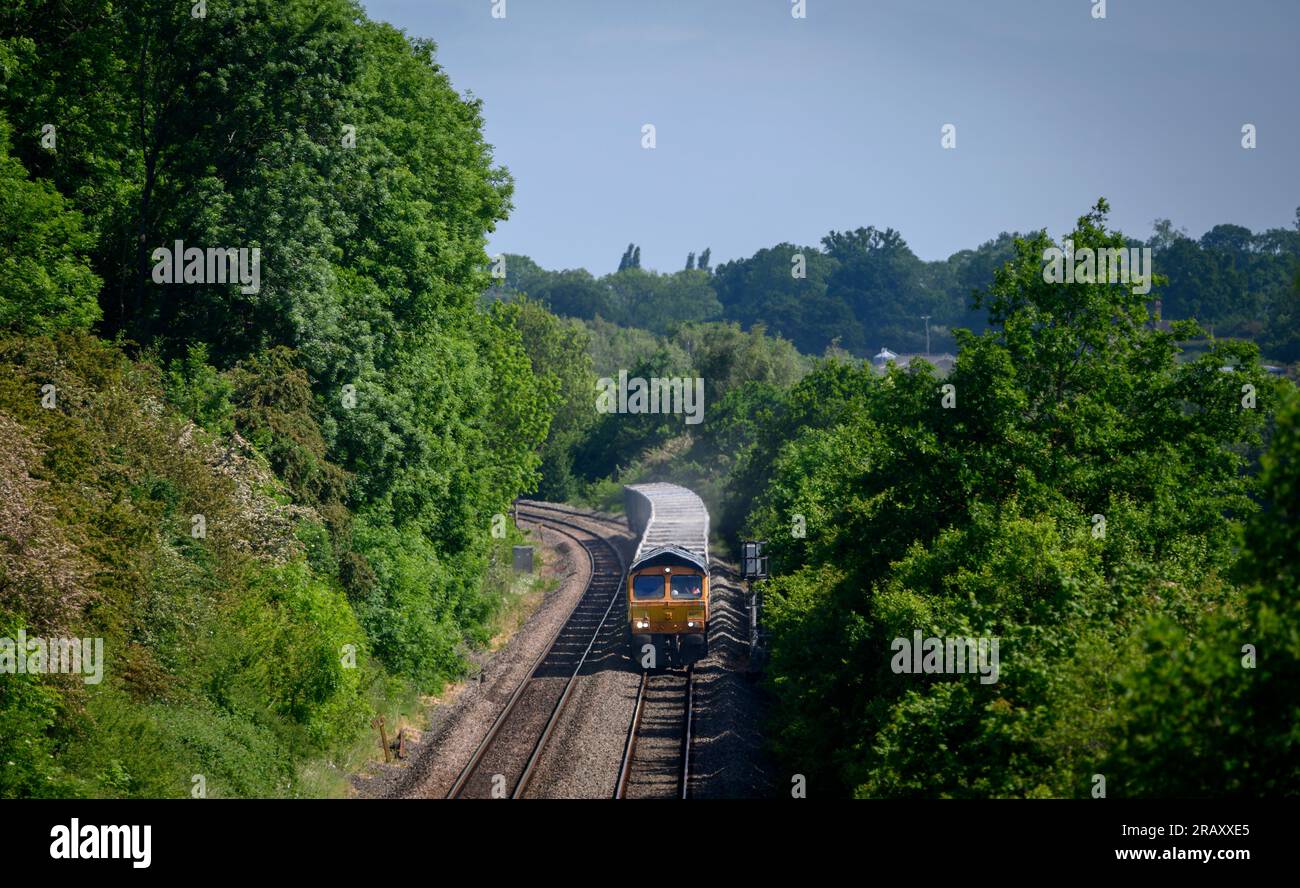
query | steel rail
(686,732)
(533,759)
(568,512)
(629,749)
(488,739)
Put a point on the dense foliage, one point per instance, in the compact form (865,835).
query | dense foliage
(347,420)
(1199,722)
(1078,498)
(222,650)
(1238,282)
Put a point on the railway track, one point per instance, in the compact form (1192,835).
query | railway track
(506,759)
(657,757)
(572,516)
(656,760)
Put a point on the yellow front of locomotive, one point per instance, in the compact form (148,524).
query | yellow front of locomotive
(668,608)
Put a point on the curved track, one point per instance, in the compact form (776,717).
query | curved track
(656,760)
(505,760)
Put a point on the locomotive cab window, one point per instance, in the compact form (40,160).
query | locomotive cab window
(648,586)
(687,586)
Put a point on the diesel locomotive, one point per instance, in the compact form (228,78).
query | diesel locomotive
(667,583)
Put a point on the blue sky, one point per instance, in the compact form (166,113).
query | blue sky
(772,129)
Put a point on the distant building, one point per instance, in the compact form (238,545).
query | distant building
(884,357)
(943,362)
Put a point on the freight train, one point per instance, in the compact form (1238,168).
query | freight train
(668,580)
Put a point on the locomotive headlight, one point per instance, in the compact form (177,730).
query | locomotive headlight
(643,624)
(690,624)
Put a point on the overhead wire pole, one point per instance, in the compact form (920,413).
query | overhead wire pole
(926,318)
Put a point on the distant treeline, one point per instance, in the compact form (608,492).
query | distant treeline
(864,289)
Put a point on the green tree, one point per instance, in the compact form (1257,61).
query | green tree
(338,148)
(975,518)
(657,302)
(768,289)
(559,352)
(46,281)
(1215,712)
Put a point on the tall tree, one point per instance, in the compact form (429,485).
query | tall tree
(965,507)
(46,282)
(339,149)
